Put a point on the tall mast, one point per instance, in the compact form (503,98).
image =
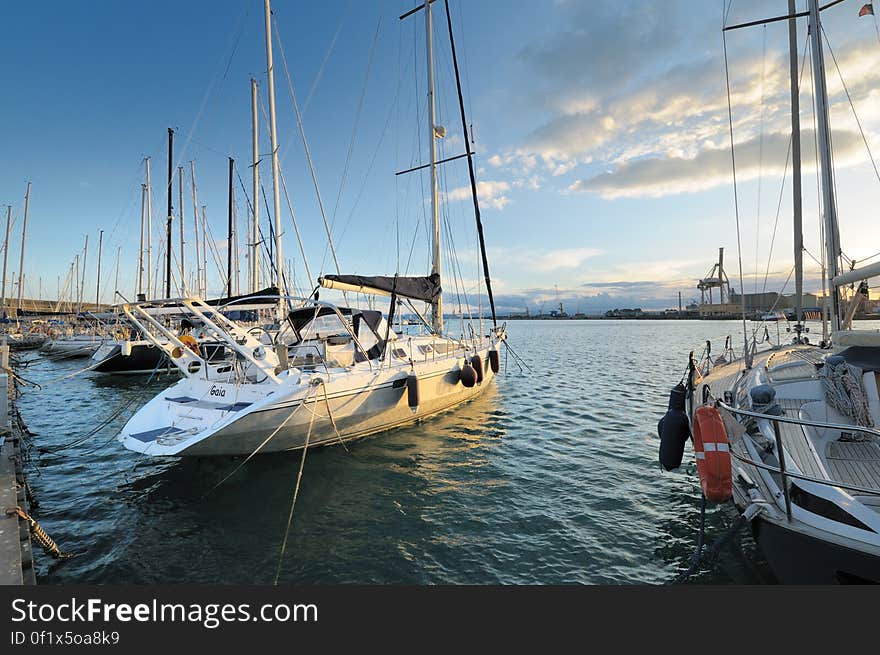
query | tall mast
(205,249)
(98,288)
(27,201)
(170,218)
(149,233)
(229,236)
(473,179)
(796,169)
(829,210)
(436,305)
(255,251)
(236,252)
(5,257)
(192,176)
(182,241)
(273,139)
(82,280)
(140,273)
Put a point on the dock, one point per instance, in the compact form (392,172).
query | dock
(16,554)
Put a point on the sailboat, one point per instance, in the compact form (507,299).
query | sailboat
(329,374)
(792,434)
(22,338)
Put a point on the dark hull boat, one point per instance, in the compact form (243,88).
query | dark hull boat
(141,358)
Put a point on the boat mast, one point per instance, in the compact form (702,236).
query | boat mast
(149,233)
(27,201)
(170,218)
(98,288)
(437,304)
(229,236)
(273,139)
(82,281)
(140,274)
(829,211)
(796,171)
(182,242)
(255,251)
(205,250)
(192,177)
(6,256)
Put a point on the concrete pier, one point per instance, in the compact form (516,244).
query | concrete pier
(16,555)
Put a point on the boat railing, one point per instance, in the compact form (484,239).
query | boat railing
(780,451)
(226,329)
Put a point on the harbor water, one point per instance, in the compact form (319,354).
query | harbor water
(549,478)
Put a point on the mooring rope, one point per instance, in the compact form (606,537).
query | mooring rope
(302,463)
(40,536)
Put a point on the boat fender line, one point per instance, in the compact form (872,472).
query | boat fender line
(468,375)
(494,361)
(477,363)
(673,430)
(412,392)
(43,540)
(708,554)
(712,452)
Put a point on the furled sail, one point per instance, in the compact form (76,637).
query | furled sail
(425,288)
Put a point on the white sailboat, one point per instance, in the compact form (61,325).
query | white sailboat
(329,374)
(792,434)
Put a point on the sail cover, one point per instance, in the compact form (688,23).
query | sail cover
(417,288)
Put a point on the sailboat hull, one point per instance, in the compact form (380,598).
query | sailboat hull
(342,408)
(798,558)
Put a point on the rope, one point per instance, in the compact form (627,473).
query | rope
(711,552)
(845,392)
(698,552)
(43,540)
(264,442)
(302,463)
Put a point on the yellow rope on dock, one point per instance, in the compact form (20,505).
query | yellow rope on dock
(43,540)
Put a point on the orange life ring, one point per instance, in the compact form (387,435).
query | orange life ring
(712,451)
(190,342)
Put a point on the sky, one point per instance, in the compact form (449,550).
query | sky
(600,129)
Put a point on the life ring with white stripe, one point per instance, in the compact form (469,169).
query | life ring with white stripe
(712,451)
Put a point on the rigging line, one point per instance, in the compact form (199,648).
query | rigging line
(370,169)
(760,153)
(210,90)
(852,105)
(471,173)
(296,229)
(354,127)
(813,257)
(302,133)
(320,72)
(784,174)
(735,197)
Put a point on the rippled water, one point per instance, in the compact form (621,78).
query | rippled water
(551,477)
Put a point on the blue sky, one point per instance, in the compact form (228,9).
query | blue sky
(601,136)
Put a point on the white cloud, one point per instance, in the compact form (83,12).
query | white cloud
(489,192)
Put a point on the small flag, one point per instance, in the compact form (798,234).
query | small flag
(866,10)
